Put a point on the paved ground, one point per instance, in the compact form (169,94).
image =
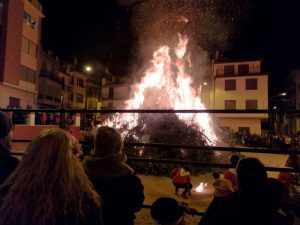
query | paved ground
(156,187)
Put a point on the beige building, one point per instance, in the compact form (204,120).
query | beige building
(66,88)
(93,95)
(240,85)
(115,92)
(20,23)
(78,94)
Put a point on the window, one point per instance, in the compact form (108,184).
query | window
(111,93)
(29,47)
(229,70)
(230,104)
(71,97)
(251,104)
(230,85)
(63,83)
(72,80)
(29,20)
(79,98)
(48,92)
(251,84)
(14,102)
(57,95)
(243,69)
(80,82)
(27,74)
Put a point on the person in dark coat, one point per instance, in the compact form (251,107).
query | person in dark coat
(248,205)
(8,163)
(50,186)
(122,192)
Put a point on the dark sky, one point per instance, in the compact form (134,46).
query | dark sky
(103,30)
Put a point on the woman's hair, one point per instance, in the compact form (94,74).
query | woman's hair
(48,184)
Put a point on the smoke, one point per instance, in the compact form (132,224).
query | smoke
(210,23)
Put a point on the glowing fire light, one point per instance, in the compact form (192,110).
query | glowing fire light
(167,84)
(201,187)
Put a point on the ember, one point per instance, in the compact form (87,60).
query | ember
(201,187)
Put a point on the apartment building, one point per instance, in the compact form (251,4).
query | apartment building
(20,34)
(50,90)
(115,92)
(240,85)
(78,86)
(93,95)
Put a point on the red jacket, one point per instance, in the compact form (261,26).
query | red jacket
(181,177)
(286,178)
(231,176)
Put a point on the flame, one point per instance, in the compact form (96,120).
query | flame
(201,187)
(167,85)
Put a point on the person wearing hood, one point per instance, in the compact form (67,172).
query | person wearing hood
(8,163)
(122,192)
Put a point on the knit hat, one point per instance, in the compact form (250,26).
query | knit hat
(108,141)
(167,211)
(5,125)
(223,187)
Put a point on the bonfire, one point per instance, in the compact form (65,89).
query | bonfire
(167,84)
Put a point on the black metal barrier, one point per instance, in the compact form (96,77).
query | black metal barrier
(194,163)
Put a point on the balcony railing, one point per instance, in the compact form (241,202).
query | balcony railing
(52,76)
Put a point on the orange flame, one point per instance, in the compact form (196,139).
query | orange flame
(164,87)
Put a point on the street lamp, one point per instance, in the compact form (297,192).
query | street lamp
(88,69)
(266,101)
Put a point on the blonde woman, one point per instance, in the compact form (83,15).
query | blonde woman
(50,186)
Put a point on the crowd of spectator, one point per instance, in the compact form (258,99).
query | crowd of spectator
(268,140)
(52,185)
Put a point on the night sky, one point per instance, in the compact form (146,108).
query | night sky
(120,33)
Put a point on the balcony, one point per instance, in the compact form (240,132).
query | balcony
(50,75)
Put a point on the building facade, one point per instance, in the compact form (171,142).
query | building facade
(66,88)
(78,85)
(115,92)
(20,23)
(240,85)
(50,88)
(93,91)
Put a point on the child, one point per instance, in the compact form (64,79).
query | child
(167,211)
(182,179)
(222,186)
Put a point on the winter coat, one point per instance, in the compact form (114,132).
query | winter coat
(121,191)
(182,177)
(8,163)
(232,177)
(242,209)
